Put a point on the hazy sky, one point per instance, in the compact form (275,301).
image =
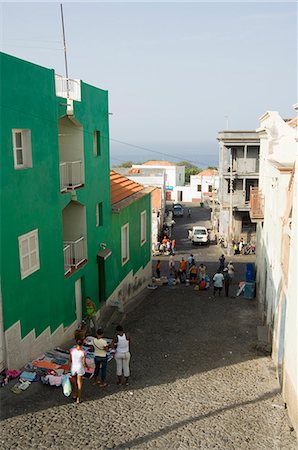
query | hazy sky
(174,71)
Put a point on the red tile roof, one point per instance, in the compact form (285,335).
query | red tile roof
(122,187)
(292,122)
(208,173)
(158,163)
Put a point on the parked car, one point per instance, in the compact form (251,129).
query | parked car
(178,211)
(200,235)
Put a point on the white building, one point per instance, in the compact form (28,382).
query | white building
(174,175)
(274,209)
(203,186)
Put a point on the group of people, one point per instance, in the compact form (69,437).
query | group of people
(223,277)
(187,269)
(77,361)
(167,245)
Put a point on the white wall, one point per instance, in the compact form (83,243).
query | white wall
(278,146)
(290,385)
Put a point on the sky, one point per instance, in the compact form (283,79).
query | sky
(176,72)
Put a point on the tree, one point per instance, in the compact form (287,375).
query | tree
(212,167)
(125,165)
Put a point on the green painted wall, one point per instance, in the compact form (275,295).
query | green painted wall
(139,255)
(31,198)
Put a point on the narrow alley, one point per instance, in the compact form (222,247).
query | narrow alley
(197,379)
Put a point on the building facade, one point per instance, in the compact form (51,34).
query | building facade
(238,173)
(174,177)
(56,216)
(274,210)
(202,187)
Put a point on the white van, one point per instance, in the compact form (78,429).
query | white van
(200,236)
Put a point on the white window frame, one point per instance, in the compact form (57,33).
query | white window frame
(143,227)
(124,244)
(25,148)
(28,253)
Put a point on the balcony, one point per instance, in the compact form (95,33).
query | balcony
(67,259)
(256,205)
(71,175)
(74,254)
(68,88)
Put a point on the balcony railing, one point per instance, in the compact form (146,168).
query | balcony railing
(77,253)
(71,175)
(68,88)
(256,205)
(67,259)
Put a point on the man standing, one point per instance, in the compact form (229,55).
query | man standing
(218,281)
(172,266)
(227,281)
(221,263)
(90,314)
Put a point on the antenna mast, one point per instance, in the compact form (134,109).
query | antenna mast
(65,53)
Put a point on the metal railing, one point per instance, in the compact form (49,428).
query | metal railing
(256,204)
(71,175)
(77,251)
(68,88)
(67,259)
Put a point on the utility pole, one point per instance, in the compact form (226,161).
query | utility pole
(230,245)
(65,53)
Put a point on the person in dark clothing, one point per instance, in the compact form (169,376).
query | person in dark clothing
(157,268)
(221,263)
(227,281)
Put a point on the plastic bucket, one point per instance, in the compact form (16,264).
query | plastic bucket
(249,290)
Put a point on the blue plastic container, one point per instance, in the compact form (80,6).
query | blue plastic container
(249,290)
(250,273)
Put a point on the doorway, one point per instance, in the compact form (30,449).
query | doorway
(78,294)
(180,196)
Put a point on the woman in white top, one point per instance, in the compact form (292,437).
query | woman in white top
(122,355)
(77,363)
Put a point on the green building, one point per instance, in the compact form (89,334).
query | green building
(60,240)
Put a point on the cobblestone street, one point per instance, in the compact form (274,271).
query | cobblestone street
(197,383)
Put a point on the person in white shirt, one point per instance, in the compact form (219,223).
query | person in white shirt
(77,364)
(100,358)
(122,356)
(218,282)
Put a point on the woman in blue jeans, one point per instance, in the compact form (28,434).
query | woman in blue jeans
(100,358)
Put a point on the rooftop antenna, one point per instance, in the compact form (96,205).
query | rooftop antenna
(65,53)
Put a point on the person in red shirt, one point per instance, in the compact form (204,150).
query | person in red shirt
(157,268)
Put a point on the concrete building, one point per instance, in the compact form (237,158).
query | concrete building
(274,209)
(238,172)
(174,176)
(60,240)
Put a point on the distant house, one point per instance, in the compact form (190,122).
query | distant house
(203,186)
(273,207)
(174,176)
(60,238)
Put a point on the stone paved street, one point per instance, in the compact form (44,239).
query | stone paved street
(197,383)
